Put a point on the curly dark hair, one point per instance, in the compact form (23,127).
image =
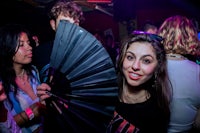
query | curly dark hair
(67,8)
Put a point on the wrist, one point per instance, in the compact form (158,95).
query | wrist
(29,113)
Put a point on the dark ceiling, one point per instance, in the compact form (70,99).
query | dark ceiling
(124,6)
(120,9)
(34,12)
(21,10)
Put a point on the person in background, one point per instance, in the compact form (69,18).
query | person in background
(62,9)
(111,47)
(191,57)
(144,87)
(7,122)
(180,39)
(99,36)
(150,27)
(20,78)
(36,40)
(196,24)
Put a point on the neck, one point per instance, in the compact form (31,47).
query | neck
(134,96)
(19,70)
(20,73)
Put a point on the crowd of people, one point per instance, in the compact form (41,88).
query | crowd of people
(158,81)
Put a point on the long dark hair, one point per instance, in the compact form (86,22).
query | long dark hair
(159,84)
(9,44)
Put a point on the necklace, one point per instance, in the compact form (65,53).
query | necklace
(133,99)
(176,56)
(142,97)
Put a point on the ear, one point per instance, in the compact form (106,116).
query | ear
(53,24)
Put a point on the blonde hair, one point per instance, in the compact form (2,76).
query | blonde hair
(180,36)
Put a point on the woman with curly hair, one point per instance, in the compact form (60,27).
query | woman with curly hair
(180,41)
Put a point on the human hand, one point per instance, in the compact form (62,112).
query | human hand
(3,96)
(35,38)
(42,91)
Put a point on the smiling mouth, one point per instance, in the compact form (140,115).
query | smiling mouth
(134,76)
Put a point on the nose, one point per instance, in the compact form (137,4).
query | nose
(136,65)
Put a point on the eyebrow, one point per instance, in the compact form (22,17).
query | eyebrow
(142,55)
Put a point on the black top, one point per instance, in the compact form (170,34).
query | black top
(145,117)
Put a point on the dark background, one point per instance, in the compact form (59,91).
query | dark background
(120,16)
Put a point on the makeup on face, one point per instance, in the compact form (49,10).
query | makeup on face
(24,51)
(139,64)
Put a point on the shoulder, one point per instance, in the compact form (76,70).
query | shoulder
(186,63)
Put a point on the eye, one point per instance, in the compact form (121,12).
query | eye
(129,57)
(146,61)
(22,43)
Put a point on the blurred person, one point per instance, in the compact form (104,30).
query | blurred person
(99,35)
(195,58)
(144,90)
(36,40)
(180,39)
(20,78)
(7,122)
(61,10)
(196,24)
(150,27)
(111,47)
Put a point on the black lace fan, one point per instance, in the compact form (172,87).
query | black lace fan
(84,88)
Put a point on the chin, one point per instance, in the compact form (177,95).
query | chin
(134,83)
(28,61)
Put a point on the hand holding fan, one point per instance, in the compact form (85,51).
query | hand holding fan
(84,79)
